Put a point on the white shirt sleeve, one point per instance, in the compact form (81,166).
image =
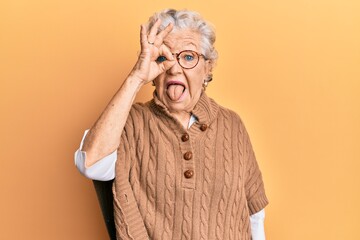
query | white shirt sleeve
(103,170)
(257,225)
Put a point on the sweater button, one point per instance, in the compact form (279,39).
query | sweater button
(188,155)
(185,137)
(189,173)
(203,127)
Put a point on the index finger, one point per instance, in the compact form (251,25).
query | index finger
(153,31)
(160,37)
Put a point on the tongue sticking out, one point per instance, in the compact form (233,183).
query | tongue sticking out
(174,92)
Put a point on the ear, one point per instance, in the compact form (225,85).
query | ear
(208,70)
(209,78)
(208,67)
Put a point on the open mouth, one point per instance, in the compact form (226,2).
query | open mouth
(175,90)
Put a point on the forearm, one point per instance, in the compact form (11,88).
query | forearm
(104,137)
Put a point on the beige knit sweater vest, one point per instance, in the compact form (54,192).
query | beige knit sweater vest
(176,183)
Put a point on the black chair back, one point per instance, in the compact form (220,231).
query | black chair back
(104,193)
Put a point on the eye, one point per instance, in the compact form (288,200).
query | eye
(161,59)
(189,57)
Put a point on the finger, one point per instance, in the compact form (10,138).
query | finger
(164,33)
(168,64)
(165,51)
(143,35)
(170,61)
(153,31)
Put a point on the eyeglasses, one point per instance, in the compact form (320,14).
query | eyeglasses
(187,59)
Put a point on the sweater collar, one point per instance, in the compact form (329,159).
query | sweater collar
(205,109)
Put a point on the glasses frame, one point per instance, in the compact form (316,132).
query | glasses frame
(176,55)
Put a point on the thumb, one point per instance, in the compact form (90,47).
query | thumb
(168,64)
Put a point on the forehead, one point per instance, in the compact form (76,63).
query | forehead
(186,39)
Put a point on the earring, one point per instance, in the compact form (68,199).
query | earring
(206,82)
(204,85)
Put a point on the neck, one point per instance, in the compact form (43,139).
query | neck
(183,118)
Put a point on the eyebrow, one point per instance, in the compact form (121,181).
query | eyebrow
(189,43)
(185,46)
(186,42)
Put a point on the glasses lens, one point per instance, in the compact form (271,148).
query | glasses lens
(188,59)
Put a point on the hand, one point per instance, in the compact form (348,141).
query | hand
(152,46)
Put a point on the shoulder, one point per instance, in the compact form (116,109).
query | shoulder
(139,114)
(232,119)
(231,114)
(139,109)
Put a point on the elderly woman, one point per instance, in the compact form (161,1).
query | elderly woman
(183,166)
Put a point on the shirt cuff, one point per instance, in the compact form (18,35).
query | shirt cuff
(257,225)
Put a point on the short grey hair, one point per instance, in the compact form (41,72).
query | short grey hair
(185,19)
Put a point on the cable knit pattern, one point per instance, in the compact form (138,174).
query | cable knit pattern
(175,183)
(205,197)
(169,194)
(235,207)
(150,187)
(187,214)
(227,167)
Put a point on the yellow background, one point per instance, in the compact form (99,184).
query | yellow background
(290,68)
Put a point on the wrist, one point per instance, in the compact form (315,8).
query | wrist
(135,81)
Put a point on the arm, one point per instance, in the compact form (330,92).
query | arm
(103,170)
(104,136)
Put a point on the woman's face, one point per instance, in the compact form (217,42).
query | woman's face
(178,88)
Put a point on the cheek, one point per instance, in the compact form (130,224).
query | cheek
(195,81)
(200,76)
(159,80)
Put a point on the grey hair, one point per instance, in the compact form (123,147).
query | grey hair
(185,19)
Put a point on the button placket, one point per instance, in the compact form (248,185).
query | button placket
(187,163)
